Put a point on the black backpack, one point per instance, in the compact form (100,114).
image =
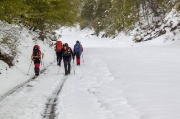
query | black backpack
(67,51)
(36,53)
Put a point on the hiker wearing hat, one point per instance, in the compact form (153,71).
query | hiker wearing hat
(78,49)
(36,56)
(67,54)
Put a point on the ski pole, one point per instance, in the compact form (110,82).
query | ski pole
(82,57)
(42,62)
(54,56)
(73,67)
(29,67)
(58,70)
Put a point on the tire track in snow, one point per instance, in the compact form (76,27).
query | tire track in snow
(52,102)
(22,84)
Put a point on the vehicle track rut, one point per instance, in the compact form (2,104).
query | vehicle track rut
(52,102)
(22,84)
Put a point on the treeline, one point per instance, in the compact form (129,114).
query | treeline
(107,16)
(113,16)
(43,15)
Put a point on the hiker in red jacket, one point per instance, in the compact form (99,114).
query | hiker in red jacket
(36,57)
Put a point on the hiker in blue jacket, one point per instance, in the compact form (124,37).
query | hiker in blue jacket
(78,49)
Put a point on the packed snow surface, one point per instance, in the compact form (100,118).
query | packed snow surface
(117,79)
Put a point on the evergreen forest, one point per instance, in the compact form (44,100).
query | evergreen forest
(107,16)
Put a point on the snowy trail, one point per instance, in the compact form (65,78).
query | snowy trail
(117,80)
(128,83)
(81,97)
(131,83)
(77,93)
(29,102)
(21,85)
(50,111)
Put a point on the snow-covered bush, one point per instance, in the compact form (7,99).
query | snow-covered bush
(137,38)
(15,40)
(8,48)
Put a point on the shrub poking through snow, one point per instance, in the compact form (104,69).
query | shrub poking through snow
(6,58)
(138,38)
(8,48)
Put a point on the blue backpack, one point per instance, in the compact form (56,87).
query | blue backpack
(77,48)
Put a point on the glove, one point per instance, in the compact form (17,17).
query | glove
(42,54)
(31,57)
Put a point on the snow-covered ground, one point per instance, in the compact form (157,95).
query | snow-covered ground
(12,76)
(117,79)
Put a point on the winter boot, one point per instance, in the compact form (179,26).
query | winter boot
(59,63)
(36,71)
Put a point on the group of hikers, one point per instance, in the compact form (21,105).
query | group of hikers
(63,52)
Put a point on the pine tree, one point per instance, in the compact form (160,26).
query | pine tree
(87,13)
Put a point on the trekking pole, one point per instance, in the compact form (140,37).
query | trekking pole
(82,57)
(58,70)
(42,62)
(29,67)
(73,67)
(54,56)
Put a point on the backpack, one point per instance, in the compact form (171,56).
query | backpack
(58,46)
(36,52)
(77,48)
(67,51)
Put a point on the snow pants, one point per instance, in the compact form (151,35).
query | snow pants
(36,66)
(59,57)
(78,55)
(67,64)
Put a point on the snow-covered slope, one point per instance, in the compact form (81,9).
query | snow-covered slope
(163,32)
(11,76)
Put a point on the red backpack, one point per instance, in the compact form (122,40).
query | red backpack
(36,52)
(58,46)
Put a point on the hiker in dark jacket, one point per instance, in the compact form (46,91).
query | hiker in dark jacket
(67,54)
(78,49)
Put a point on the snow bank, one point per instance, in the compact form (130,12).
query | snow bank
(12,76)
